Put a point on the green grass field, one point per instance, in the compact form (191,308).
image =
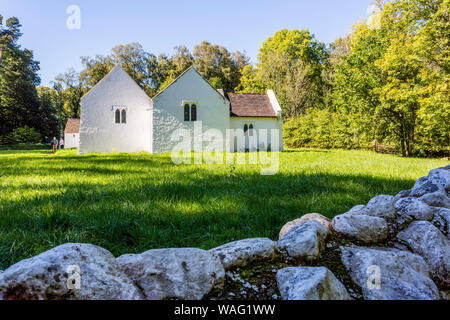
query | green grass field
(130,203)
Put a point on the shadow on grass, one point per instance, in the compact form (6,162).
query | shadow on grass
(25,147)
(57,166)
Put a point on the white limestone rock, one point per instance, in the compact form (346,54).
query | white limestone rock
(174,273)
(423,186)
(306,240)
(363,228)
(240,253)
(402,194)
(324,221)
(410,209)
(440,177)
(309,283)
(442,220)
(53,275)
(359,209)
(389,274)
(427,241)
(432,189)
(437,199)
(381,206)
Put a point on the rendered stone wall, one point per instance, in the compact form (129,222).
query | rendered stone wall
(71,140)
(258,123)
(99,132)
(213,110)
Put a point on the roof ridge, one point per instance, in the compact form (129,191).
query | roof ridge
(192,67)
(120,69)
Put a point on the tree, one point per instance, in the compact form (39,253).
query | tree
(95,69)
(249,81)
(357,77)
(215,62)
(395,75)
(433,50)
(70,90)
(337,53)
(18,80)
(410,82)
(51,115)
(290,63)
(138,63)
(23,135)
(3,33)
(170,68)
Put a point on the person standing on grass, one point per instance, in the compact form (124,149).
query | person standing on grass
(61,143)
(54,144)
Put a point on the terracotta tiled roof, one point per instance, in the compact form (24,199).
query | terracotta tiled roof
(72,126)
(250,105)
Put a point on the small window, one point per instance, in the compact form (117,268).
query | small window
(245,129)
(250,128)
(186,113)
(117,116)
(193,112)
(124,116)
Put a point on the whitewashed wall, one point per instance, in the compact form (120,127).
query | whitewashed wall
(168,110)
(71,140)
(258,123)
(99,132)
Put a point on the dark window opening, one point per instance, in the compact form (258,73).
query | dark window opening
(124,116)
(245,129)
(194,113)
(186,113)
(117,116)
(251,130)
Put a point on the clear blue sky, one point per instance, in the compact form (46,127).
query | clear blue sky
(163,24)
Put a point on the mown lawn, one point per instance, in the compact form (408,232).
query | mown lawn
(130,203)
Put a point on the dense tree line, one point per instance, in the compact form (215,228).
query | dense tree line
(384,84)
(388,83)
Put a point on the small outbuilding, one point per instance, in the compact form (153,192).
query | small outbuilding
(72,133)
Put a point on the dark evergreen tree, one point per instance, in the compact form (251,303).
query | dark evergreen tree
(19,105)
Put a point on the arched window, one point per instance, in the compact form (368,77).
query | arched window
(186,112)
(117,116)
(245,129)
(193,112)
(250,128)
(124,116)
